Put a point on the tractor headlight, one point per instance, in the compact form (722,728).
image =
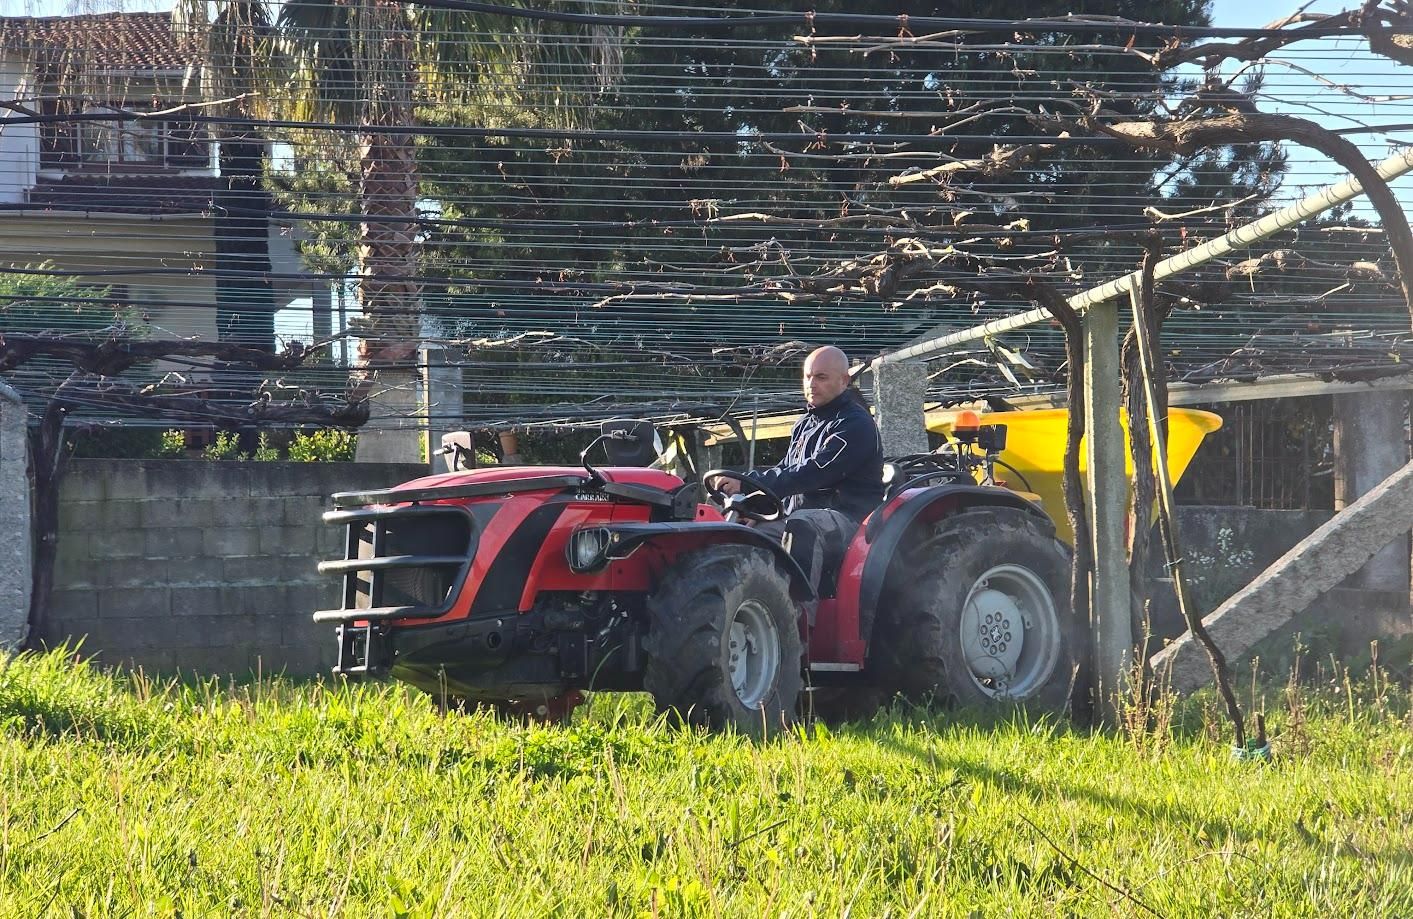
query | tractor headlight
(588,548)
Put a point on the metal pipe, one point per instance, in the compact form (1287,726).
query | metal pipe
(1397,165)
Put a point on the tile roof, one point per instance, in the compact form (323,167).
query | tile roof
(110,41)
(148,194)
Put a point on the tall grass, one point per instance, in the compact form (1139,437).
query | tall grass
(124,796)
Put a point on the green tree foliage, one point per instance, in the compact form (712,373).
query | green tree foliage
(35,300)
(533,227)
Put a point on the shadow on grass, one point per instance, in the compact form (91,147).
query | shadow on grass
(970,771)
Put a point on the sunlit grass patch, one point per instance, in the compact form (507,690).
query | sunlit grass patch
(124,795)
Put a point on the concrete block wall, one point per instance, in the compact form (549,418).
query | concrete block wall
(205,567)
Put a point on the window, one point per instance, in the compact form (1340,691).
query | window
(119,141)
(169,143)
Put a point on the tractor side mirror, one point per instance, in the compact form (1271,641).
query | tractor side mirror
(459,450)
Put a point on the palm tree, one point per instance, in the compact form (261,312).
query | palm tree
(368,64)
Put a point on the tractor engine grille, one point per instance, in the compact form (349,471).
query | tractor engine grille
(423,536)
(403,562)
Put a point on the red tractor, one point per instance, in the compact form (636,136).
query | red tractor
(520,587)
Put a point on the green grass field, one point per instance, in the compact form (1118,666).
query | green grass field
(122,797)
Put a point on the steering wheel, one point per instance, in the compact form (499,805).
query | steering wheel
(762,504)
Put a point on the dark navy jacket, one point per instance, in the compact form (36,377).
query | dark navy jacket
(835,460)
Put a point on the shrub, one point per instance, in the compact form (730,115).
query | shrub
(330,445)
(172,445)
(225,447)
(265,452)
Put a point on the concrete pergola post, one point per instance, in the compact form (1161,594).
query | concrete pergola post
(17,551)
(396,428)
(898,393)
(1369,446)
(1106,487)
(443,402)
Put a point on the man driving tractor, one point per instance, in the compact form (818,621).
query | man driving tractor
(832,473)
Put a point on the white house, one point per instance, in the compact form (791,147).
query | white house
(129,204)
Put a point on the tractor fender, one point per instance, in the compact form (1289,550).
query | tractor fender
(677,537)
(886,534)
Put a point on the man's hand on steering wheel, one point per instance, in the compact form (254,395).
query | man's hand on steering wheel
(740,493)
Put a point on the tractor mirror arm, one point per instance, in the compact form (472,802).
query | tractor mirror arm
(617,434)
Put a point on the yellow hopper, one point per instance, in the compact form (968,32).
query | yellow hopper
(1035,447)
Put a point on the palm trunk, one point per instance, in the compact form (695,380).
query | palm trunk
(388,288)
(388,249)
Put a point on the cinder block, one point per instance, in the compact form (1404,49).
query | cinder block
(330,541)
(254,599)
(224,542)
(298,661)
(172,542)
(73,604)
(268,511)
(328,595)
(300,569)
(190,602)
(105,543)
(123,480)
(83,482)
(203,571)
(301,605)
(304,510)
(157,661)
(135,634)
(134,602)
(282,540)
(226,513)
(72,565)
(164,512)
(65,629)
(81,515)
(219,662)
(119,515)
(230,632)
(250,570)
(211,480)
(288,479)
(134,572)
(303,630)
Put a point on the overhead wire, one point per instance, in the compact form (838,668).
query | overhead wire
(494,262)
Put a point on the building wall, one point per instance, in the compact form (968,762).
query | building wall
(19,143)
(180,299)
(206,567)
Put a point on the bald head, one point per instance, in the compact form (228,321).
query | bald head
(826,375)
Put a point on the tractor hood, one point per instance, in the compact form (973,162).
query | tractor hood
(632,475)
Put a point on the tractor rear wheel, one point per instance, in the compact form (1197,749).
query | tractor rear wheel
(979,613)
(723,643)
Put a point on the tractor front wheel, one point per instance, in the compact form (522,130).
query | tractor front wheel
(723,643)
(978,612)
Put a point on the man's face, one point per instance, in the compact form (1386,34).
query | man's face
(824,380)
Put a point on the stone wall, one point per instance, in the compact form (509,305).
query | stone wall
(210,567)
(16,552)
(206,567)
